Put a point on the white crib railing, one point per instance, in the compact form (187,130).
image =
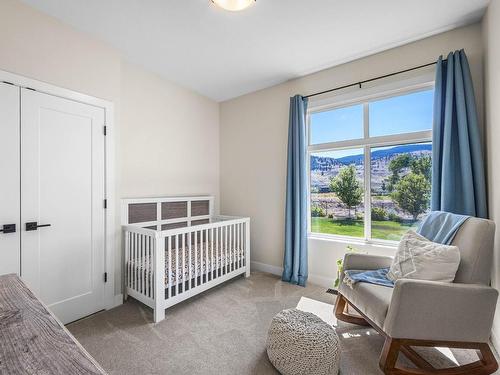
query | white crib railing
(206,255)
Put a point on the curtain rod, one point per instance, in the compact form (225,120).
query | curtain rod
(372,79)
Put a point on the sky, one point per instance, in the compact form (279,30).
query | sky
(396,115)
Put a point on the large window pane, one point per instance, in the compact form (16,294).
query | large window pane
(400,188)
(337,125)
(337,192)
(402,114)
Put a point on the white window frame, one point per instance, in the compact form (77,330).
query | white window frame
(364,96)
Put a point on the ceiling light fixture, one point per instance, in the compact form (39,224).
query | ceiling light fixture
(234,5)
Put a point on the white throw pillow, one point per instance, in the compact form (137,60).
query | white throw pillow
(421,259)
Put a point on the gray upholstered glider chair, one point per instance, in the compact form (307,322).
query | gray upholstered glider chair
(427,313)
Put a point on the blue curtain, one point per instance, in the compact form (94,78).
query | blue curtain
(295,262)
(458,183)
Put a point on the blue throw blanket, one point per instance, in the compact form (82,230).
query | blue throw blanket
(438,226)
(441,227)
(378,277)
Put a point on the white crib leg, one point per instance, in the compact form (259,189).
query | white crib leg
(159,314)
(159,277)
(247,248)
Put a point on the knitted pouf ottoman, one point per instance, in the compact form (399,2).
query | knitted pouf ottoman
(300,343)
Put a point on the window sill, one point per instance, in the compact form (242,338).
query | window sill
(352,241)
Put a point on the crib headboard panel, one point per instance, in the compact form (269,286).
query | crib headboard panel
(167,212)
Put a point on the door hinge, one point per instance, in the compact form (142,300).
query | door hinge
(105,277)
(105,130)
(105,203)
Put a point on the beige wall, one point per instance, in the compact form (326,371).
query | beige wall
(167,137)
(254,140)
(491,33)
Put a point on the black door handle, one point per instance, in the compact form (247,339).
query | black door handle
(8,228)
(33,225)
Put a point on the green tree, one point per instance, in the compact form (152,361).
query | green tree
(396,166)
(347,187)
(412,194)
(422,165)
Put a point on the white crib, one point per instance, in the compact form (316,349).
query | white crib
(176,248)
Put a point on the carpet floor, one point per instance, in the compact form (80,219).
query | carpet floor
(222,331)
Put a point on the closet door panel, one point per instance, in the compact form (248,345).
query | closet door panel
(62,178)
(10,185)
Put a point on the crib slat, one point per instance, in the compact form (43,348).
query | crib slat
(231,253)
(240,242)
(226,235)
(143,265)
(138,263)
(149,260)
(195,258)
(230,244)
(242,229)
(183,246)
(151,271)
(217,253)
(127,257)
(132,269)
(190,245)
(146,271)
(139,266)
(135,261)
(200,264)
(177,273)
(206,254)
(169,254)
(237,245)
(131,266)
(212,254)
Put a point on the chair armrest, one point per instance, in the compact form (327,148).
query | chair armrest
(354,261)
(430,310)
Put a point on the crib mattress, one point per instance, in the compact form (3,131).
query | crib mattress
(200,265)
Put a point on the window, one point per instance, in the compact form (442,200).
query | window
(370,165)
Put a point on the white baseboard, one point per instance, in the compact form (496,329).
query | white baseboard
(275,270)
(118,300)
(263,267)
(321,281)
(494,341)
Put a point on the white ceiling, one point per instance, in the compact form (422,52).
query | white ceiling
(223,54)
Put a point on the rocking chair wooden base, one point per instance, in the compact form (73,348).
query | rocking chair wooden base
(486,364)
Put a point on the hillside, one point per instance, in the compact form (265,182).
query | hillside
(326,163)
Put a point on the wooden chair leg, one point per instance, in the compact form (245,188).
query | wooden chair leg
(486,365)
(389,355)
(487,358)
(341,314)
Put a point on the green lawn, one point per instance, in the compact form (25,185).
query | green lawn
(383,230)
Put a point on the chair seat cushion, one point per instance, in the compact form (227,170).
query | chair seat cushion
(372,300)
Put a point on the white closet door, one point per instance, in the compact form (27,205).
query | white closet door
(62,185)
(10,185)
